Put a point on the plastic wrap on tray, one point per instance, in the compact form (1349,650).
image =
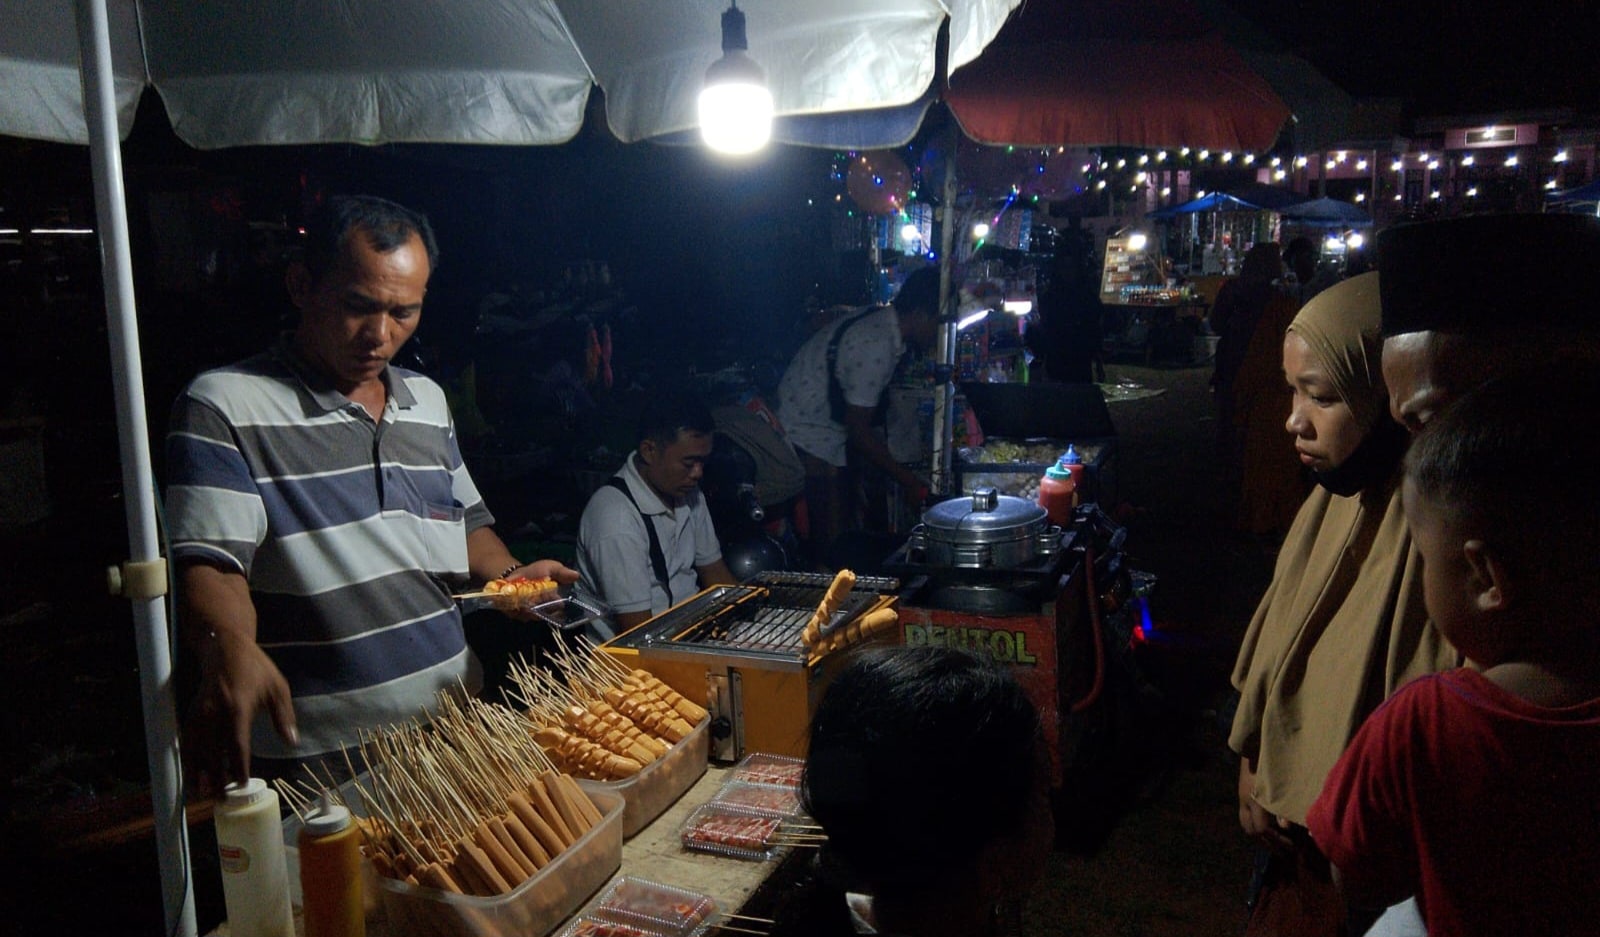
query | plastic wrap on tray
(661,909)
(658,786)
(586,926)
(775,798)
(737,832)
(762,768)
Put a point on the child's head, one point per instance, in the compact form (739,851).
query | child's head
(928,771)
(1503,502)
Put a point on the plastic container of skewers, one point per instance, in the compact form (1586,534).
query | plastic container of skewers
(620,731)
(648,794)
(743,833)
(762,768)
(534,907)
(469,829)
(774,798)
(630,906)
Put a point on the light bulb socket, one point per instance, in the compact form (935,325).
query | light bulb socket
(733,29)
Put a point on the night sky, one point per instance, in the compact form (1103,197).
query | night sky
(1447,57)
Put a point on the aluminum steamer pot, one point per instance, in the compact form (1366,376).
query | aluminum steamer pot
(988,530)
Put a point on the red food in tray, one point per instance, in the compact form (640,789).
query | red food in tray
(640,899)
(761,797)
(731,830)
(588,927)
(770,769)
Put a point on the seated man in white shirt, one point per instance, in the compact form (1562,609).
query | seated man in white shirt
(646,542)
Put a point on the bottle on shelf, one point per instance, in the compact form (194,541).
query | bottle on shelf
(1072,461)
(1058,492)
(255,871)
(330,872)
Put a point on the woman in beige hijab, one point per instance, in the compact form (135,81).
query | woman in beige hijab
(1342,625)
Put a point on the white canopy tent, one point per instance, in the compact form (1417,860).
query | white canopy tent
(477,71)
(380,71)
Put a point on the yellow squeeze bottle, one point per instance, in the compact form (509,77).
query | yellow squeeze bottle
(330,872)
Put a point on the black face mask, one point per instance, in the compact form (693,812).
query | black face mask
(1372,462)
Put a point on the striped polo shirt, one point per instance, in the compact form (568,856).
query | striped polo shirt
(349,531)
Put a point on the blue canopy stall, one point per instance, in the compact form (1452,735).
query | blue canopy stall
(1327,213)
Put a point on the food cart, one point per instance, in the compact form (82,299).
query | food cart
(1146,313)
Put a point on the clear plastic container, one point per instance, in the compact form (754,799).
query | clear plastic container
(572,613)
(662,909)
(775,798)
(762,768)
(736,832)
(649,793)
(532,908)
(585,926)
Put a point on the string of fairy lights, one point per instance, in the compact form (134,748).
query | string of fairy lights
(1130,175)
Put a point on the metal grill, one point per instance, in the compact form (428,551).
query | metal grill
(763,618)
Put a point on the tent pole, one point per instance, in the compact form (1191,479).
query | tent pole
(945,349)
(138,485)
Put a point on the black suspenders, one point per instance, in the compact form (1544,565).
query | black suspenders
(658,560)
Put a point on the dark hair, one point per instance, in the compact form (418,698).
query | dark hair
(669,413)
(920,292)
(901,742)
(1515,459)
(1299,245)
(387,225)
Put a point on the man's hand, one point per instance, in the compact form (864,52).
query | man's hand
(1257,822)
(238,679)
(545,569)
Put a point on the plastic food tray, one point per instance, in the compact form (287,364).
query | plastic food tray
(572,613)
(762,768)
(662,909)
(533,908)
(750,842)
(776,798)
(649,793)
(585,926)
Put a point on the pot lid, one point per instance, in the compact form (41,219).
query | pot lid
(981,517)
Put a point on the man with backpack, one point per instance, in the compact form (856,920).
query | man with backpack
(831,393)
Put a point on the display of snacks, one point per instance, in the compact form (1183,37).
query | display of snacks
(731,831)
(771,797)
(661,909)
(762,768)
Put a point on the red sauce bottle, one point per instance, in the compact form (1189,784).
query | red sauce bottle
(1058,492)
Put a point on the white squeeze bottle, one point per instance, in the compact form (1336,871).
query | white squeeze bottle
(255,874)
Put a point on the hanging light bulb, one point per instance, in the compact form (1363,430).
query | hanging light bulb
(735,104)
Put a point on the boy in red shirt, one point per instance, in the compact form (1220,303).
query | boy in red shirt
(1478,790)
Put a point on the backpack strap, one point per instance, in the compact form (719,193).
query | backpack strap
(658,560)
(836,401)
